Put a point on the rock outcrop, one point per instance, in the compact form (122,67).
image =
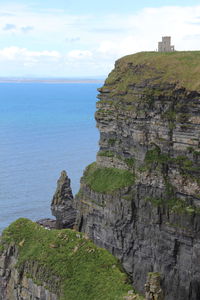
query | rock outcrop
(153,289)
(47,223)
(62,203)
(141,199)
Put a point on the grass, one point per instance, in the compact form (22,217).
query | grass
(107,153)
(180,67)
(107,180)
(130,162)
(67,261)
(112,142)
(155,156)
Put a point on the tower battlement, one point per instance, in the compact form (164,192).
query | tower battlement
(165,45)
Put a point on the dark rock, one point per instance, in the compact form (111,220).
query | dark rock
(62,203)
(47,223)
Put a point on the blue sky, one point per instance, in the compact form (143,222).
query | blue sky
(84,38)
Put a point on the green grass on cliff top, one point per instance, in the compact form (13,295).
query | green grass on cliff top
(84,270)
(180,67)
(107,180)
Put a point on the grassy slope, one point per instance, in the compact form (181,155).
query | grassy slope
(107,180)
(181,67)
(85,271)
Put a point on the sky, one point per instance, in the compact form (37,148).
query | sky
(84,38)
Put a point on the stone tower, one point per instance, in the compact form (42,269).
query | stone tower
(165,45)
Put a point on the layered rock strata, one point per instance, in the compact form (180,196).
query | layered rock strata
(148,115)
(62,203)
(18,285)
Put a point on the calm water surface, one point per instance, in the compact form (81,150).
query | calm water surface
(44,128)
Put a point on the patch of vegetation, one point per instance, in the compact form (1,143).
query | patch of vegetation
(183,118)
(197,153)
(106,153)
(180,67)
(130,162)
(181,206)
(112,142)
(85,271)
(193,151)
(155,155)
(175,205)
(187,167)
(107,180)
(110,102)
(169,115)
(1,248)
(154,274)
(128,197)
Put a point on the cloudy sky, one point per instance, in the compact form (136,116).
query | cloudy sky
(83,38)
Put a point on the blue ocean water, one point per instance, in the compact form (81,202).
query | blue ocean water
(44,129)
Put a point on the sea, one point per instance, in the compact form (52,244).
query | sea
(44,129)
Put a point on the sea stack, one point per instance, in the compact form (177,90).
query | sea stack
(62,203)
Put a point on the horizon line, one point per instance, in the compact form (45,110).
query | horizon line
(49,80)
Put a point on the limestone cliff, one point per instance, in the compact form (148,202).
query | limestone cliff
(141,198)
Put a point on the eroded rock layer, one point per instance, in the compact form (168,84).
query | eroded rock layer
(141,199)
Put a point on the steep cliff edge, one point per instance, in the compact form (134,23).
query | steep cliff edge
(41,264)
(141,198)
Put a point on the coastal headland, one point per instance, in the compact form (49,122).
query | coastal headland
(140,199)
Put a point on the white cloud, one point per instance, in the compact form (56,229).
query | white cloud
(106,47)
(23,54)
(99,40)
(79,54)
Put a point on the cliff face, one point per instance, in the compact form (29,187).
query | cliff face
(17,285)
(141,198)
